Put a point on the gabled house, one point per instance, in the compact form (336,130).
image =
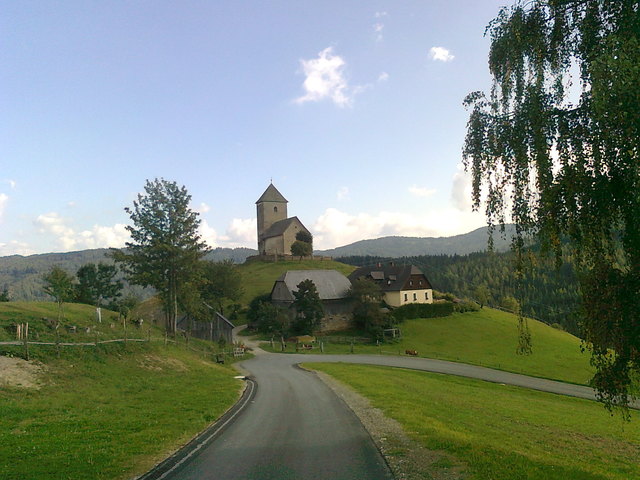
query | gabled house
(400,284)
(333,290)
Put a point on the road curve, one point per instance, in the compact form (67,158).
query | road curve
(296,427)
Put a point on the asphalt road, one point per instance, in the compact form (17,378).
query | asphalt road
(297,428)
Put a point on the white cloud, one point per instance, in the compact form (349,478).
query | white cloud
(203,208)
(343,193)
(380,14)
(335,228)
(325,79)
(208,234)
(383,77)
(461,190)
(99,236)
(377,28)
(3,203)
(12,183)
(242,232)
(421,191)
(440,54)
(15,248)
(102,237)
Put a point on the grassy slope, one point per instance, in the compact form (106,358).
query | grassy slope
(488,338)
(105,413)
(259,276)
(501,432)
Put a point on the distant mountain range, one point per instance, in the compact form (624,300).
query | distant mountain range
(397,247)
(23,275)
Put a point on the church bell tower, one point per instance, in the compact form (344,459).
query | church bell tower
(271,208)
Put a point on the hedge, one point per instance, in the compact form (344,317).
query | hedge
(422,310)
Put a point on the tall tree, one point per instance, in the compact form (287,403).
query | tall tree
(308,307)
(59,284)
(568,154)
(96,283)
(221,282)
(165,245)
(367,298)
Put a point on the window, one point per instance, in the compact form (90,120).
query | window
(426,296)
(411,282)
(275,209)
(415,297)
(406,298)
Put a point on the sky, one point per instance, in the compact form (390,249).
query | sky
(352,109)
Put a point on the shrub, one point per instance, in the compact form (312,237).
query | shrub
(465,306)
(423,310)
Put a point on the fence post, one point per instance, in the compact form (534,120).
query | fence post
(165,338)
(321,347)
(26,341)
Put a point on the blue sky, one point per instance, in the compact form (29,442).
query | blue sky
(353,108)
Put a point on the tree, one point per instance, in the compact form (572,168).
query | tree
(59,285)
(304,236)
(561,161)
(481,294)
(4,295)
(308,308)
(367,297)
(165,245)
(97,283)
(221,281)
(301,249)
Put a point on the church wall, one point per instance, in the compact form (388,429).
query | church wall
(275,245)
(290,235)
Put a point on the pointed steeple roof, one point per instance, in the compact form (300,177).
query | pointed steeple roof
(271,194)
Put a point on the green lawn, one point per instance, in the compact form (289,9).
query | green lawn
(488,338)
(259,276)
(501,432)
(110,415)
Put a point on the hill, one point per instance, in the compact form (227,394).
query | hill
(258,276)
(22,275)
(396,247)
(108,412)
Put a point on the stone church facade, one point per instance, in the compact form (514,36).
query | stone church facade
(276,232)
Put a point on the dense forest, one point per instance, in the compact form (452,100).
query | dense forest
(545,292)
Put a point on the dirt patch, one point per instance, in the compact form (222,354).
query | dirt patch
(407,459)
(16,372)
(158,364)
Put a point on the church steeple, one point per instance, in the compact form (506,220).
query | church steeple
(271,208)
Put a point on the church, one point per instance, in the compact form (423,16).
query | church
(276,232)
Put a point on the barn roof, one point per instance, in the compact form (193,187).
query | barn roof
(271,194)
(331,284)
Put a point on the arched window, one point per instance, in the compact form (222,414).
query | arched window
(275,209)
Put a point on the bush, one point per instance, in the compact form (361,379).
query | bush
(423,310)
(465,306)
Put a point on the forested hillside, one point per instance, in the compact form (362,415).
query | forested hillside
(22,276)
(548,294)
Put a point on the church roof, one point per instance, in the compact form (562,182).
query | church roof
(271,194)
(279,227)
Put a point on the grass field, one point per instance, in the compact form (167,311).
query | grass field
(488,338)
(259,276)
(106,412)
(500,432)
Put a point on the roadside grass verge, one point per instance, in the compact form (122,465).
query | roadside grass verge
(488,338)
(110,413)
(501,432)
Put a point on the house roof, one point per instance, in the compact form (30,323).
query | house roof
(390,277)
(279,227)
(331,284)
(271,194)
